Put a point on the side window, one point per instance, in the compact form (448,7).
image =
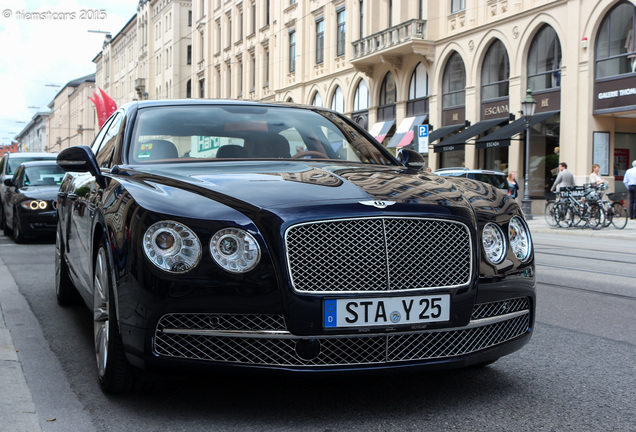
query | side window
(100,135)
(105,151)
(17,177)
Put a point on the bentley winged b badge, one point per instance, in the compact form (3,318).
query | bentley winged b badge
(377,203)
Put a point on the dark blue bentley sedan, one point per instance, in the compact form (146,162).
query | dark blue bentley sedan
(227,233)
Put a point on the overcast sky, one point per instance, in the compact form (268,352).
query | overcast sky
(54,49)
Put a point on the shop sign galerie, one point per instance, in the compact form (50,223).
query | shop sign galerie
(615,94)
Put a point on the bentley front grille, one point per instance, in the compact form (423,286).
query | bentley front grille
(264,340)
(378,254)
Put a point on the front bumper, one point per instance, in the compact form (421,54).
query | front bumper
(44,222)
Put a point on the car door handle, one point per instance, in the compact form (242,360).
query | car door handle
(62,194)
(72,196)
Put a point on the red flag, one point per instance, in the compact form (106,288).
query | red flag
(109,104)
(101,111)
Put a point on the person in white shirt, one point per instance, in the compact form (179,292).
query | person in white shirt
(595,177)
(630,183)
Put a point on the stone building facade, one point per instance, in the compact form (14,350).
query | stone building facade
(33,137)
(72,119)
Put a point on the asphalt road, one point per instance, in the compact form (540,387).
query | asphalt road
(577,374)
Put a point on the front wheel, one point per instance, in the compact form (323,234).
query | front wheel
(619,215)
(597,216)
(551,216)
(113,370)
(18,233)
(65,291)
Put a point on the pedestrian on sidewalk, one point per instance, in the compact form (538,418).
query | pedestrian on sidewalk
(513,186)
(565,178)
(630,183)
(595,177)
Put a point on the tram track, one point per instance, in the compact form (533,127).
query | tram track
(587,290)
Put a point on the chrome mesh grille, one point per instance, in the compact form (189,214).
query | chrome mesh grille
(378,254)
(345,350)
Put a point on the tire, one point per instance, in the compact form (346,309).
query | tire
(597,216)
(18,233)
(619,215)
(2,223)
(65,291)
(551,216)
(5,226)
(114,372)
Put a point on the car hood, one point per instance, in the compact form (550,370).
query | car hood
(40,192)
(273,184)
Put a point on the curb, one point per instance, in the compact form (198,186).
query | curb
(17,409)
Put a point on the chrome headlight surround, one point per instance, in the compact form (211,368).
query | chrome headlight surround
(171,246)
(520,240)
(494,243)
(235,250)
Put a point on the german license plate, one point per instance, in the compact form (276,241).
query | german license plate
(367,312)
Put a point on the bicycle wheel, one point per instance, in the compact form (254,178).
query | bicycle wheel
(619,215)
(550,214)
(573,215)
(609,213)
(564,214)
(597,216)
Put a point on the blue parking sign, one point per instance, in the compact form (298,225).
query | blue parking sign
(422,138)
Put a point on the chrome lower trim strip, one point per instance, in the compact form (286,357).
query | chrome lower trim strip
(266,334)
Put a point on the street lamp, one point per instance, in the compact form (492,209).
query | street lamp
(527,109)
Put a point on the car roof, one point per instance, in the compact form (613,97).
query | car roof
(217,102)
(34,154)
(468,170)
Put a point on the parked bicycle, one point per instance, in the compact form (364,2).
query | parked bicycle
(615,211)
(579,206)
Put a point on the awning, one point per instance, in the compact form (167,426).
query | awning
(404,133)
(443,131)
(501,137)
(380,129)
(474,130)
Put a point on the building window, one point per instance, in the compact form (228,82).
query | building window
(495,73)
(266,69)
(267,6)
(240,80)
(418,92)
(361,19)
(292,51)
(337,102)
(253,18)
(458,6)
(615,42)
(390,13)
(241,26)
(454,83)
(189,55)
(253,83)
(320,41)
(317,100)
(202,89)
(388,97)
(189,18)
(544,60)
(189,89)
(341,35)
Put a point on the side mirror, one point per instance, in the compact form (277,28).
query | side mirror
(80,159)
(411,159)
(9,182)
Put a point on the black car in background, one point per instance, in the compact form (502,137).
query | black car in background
(30,200)
(206,234)
(8,164)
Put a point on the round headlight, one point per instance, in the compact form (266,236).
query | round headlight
(172,247)
(494,244)
(520,240)
(235,250)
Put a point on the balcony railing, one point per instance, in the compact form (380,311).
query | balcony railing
(414,29)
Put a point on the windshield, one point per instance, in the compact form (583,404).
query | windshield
(43,175)
(15,162)
(216,132)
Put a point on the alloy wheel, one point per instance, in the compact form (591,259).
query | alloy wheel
(101,312)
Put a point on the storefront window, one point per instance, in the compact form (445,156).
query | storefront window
(544,60)
(615,44)
(454,83)
(360,113)
(418,92)
(495,72)
(337,102)
(317,100)
(544,156)
(388,96)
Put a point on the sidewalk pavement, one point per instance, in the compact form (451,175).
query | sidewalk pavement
(17,409)
(538,224)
